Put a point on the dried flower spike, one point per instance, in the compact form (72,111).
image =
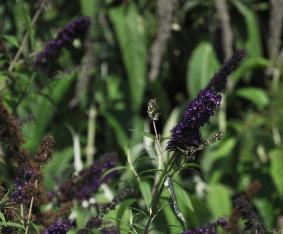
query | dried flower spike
(10,134)
(44,153)
(152,110)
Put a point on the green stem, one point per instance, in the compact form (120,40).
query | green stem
(157,195)
(90,148)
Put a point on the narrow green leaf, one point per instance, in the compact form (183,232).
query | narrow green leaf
(11,224)
(276,172)
(216,152)
(254,95)
(266,211)
(27,21)
(119,131)
(248,65)
(145,191)
(170,187)
(88,7)
(253,43)
(122,216)
(172,224)
(12,40)
(57,166)
(201,67)
(131,39)
(2,217)
(43,109)
(183,196)
(219,200)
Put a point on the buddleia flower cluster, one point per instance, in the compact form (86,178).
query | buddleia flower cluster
(249,215)
(29,177)
(75,29)
(87,182)
(28,193)
(60,226)
(211,228)
(187,132)
(10,135)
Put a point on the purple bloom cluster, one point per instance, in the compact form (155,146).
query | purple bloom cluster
(88,181)
(73,30)
(60,227)
(187,132)
(110,231)
(252,221)
(25,183)
(208,229)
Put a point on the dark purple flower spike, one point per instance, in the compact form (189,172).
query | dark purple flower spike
(60,227)
(211,228)
(75,29)
(187,132)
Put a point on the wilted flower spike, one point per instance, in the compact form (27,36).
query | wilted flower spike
(44,152)
(73,30)
(187,132)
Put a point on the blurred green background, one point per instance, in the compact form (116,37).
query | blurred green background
(168,50)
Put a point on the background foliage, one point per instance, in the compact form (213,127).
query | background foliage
(96,101)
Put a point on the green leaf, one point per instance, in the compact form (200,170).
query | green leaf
(172,224)
(122,216)
(254,95)
(119,131)
(2,217)
(131,38)
(201,67)
(183,197)
(276,172)
(23,7)
(11,224)
(12,40)
(43,109)
(248,65)
(266,211)
(88,7)
(253,43)
(216,152)
(145,191)
(219,200)
(56,167)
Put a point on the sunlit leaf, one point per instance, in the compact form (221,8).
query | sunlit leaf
(201,67)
